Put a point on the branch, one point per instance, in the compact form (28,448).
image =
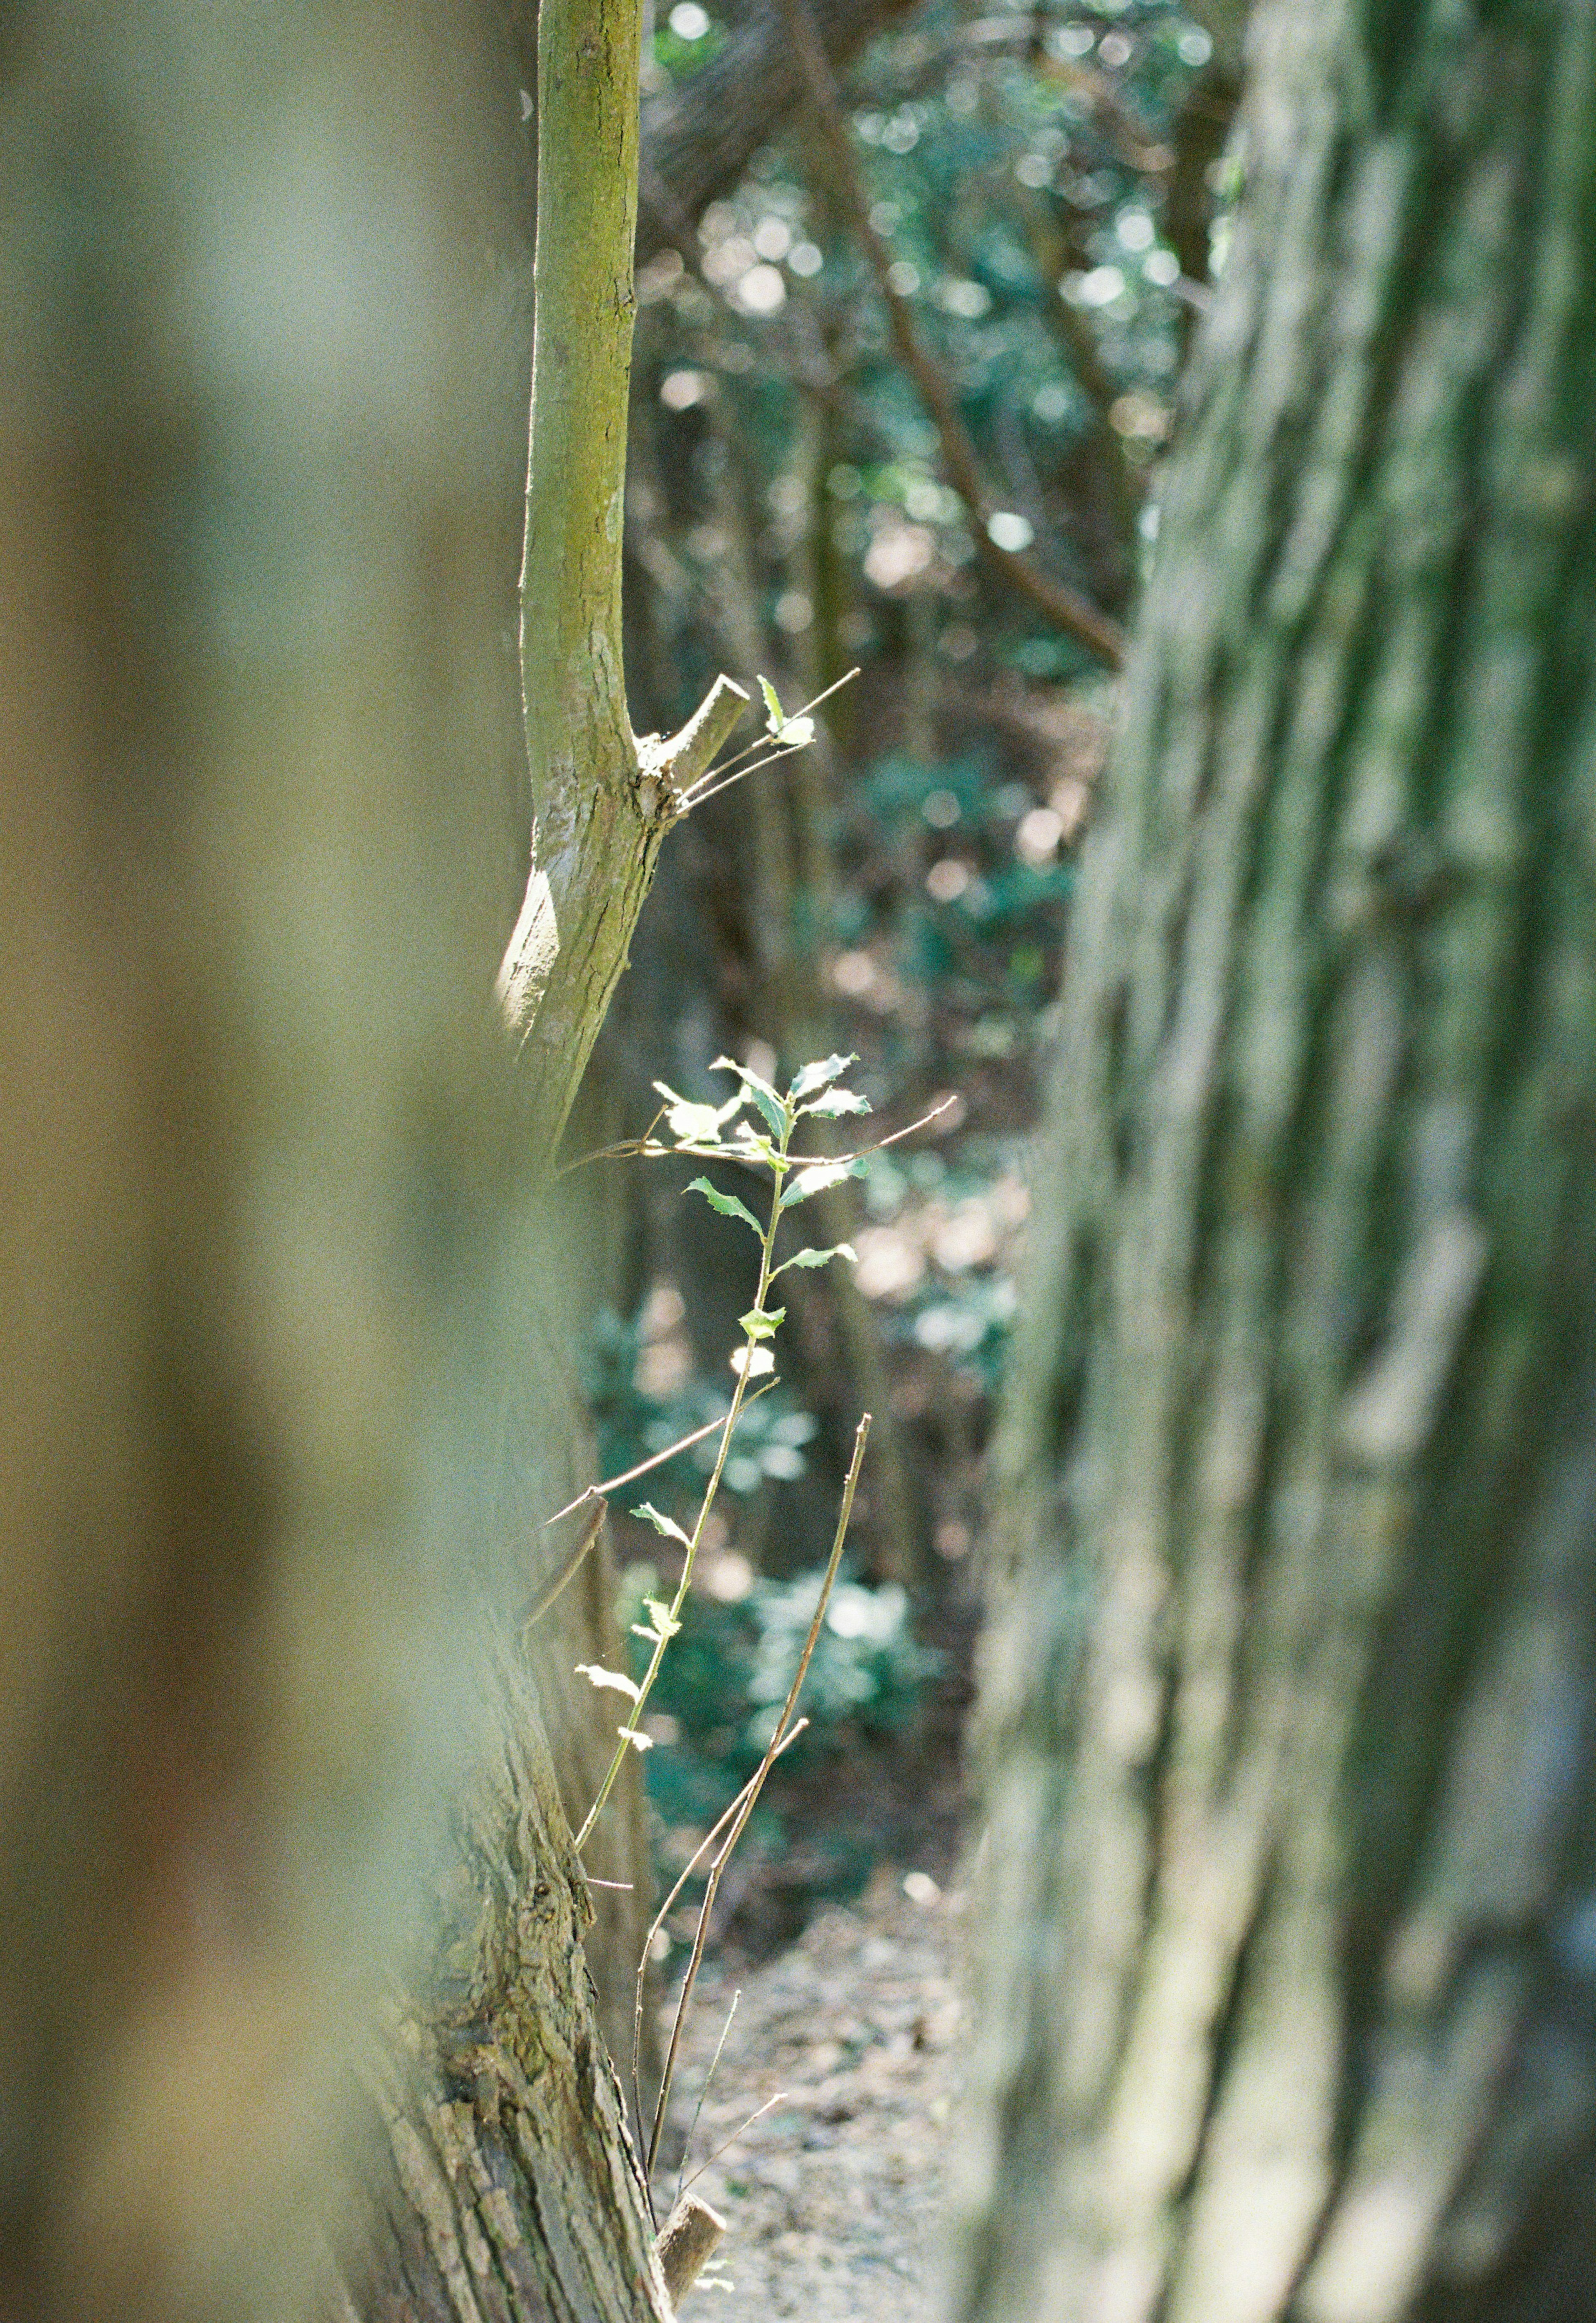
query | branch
(601,802)
(1065,606)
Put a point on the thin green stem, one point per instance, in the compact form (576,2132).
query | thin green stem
(779,1166)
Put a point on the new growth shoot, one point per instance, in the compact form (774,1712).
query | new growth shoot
(754,1128)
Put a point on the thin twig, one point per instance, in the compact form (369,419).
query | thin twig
(644,1149)
(703,2093)
(1063,605)
(708,1840)
(711,2159)
(772,1751)
(656,1460)
(696,793)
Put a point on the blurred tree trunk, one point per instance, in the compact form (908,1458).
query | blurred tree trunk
(272,1741)
(1290,1985)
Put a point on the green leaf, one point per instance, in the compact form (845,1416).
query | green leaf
(817,1177)
(776,1113)
(755,1361)
(772,703)
(763,1323)
(727,1204)
(836,1101)
(662,1523)
(597,1675)
(660,1616)
(819,1257)
(818,1076)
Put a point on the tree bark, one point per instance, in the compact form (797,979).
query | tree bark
(1288,1995)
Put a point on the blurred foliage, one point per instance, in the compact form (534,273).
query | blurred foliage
(635,1426)
(1018,164)
(728,1671)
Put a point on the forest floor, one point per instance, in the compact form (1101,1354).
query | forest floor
(844,2038)
(833,2196)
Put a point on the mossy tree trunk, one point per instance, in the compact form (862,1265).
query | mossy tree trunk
(1290,1992)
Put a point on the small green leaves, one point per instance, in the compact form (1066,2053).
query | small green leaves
(662,1523)
(796,733)
(776,1116)
(819,1257)
(660,1625)
(763,1322)
(817,1177)
(727,1204)
(597,1675)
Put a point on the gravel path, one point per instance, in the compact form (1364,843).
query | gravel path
(832,2198)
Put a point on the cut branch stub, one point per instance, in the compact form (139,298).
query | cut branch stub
(593,853)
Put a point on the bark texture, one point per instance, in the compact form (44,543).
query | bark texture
(1289,2001)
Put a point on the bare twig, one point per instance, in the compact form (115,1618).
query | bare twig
(656,1460)
(703,2093)
(1063,605)
(711,2159)
(707,1841)
(773,1752)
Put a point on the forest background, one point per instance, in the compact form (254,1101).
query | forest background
(1287,2009)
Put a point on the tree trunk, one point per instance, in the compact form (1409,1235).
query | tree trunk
(265,1237)
(1289,1998)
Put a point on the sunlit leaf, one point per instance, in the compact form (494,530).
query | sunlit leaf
(836,1101)
(727,1204)
(795,733)
(817,1177)
(692,1124)
(763,1323)
(773,703)
(819,1257)
(755,1361)
(660,1616)
(819,1075)
(636,1736)
(662,1523)
(597,1675)
(760,1090)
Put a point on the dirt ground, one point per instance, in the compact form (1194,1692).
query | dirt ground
(832,2198)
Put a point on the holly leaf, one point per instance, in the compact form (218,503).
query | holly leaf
(596,1675)
(836,1101)
(727,1204)
(817,1177)
(819,1075)
(662,1523)
(762,1095)
(819,1257)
